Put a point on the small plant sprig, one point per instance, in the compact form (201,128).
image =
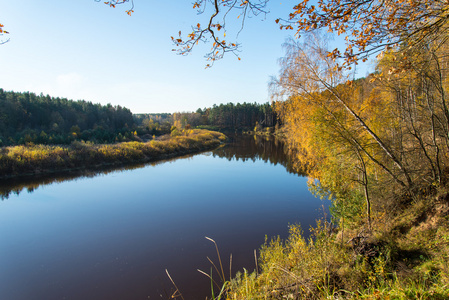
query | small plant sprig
(224,283)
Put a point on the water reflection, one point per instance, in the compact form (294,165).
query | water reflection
(30,184)
(254,147)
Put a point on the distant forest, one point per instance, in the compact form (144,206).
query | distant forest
(230,116)
(27,117)
(42,119)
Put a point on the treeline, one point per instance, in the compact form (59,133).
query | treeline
(42,119)
(27,117)
(230,116)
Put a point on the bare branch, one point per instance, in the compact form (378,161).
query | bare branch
(201,34)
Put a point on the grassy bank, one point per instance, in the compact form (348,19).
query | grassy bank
(42,159)
(406,256)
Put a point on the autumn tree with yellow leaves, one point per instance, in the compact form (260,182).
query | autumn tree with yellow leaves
(387,132)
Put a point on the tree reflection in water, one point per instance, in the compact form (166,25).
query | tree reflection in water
(254,147)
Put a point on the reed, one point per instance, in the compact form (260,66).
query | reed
(176,293)
(224,284)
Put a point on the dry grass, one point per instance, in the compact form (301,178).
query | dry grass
(41,159)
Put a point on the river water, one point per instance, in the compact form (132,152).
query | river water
(111,235)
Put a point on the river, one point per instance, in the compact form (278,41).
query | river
(111,235)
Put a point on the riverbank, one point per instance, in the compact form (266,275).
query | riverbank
(405,256)
(36,160)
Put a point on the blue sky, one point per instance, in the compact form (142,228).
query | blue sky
(85,50)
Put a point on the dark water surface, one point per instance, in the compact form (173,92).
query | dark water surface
(112,235)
